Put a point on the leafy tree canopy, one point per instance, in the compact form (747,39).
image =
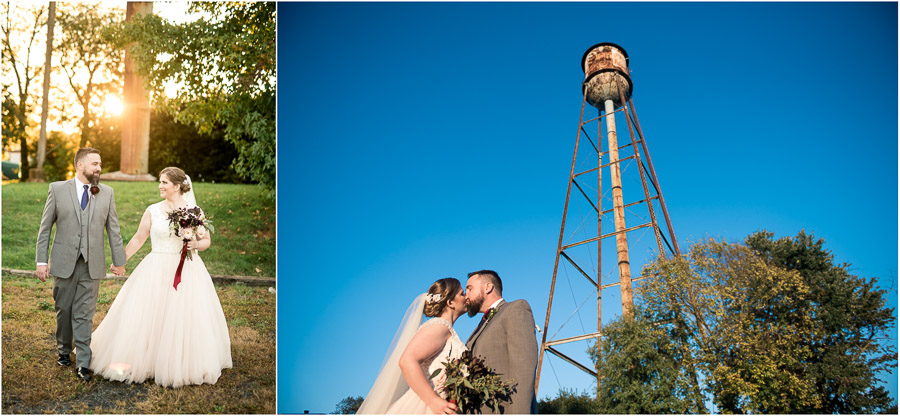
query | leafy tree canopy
(224,65)
(640,370)
(348,406)
(848,341)
(568,402)
(739,330)
(770,326)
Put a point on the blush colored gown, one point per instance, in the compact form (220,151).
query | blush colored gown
(153,331)
(409,402)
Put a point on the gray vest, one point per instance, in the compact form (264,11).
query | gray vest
(83,236)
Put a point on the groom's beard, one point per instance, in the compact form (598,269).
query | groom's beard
(474,306)
(93,178)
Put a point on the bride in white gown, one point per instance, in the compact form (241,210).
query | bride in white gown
(403,385)
(153,330)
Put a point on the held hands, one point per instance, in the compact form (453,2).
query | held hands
(442,407)
(117,270)
(43,272)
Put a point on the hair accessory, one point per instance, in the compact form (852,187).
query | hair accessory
(433,297)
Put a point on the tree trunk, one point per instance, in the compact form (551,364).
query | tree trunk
(22,118)
(38,174)
(24,167)
(48,55)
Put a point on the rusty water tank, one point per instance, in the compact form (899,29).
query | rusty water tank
(605,67)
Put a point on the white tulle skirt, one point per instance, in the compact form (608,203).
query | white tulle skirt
(152,331)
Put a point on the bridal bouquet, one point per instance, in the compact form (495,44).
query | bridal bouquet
(186,223)
(470,384)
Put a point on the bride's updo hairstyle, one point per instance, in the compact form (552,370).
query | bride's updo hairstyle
(178,177)
(446,289)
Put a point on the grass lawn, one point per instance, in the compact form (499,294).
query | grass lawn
(244,220)
(34,383)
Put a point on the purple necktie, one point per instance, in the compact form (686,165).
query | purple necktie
(84,198)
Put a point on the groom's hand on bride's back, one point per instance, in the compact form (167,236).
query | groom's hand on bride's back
(42,272)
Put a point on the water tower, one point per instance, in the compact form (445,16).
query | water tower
(631,198)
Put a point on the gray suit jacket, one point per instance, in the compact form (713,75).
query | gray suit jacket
(508,345)
(64,209)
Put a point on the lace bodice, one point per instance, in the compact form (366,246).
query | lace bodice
(162,240)
(452,349)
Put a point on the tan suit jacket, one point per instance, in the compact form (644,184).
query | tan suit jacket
(508,345)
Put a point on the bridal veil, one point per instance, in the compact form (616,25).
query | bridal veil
(389,384)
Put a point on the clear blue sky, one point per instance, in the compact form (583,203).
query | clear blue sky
(420,141)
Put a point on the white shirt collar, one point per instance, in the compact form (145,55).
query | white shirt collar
(79,188)
(496,303)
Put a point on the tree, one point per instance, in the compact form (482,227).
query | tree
(846,352)
(60,156)
(640,371)
(176,144)
(91,61)
(225,65)
(45,96)
(568,402)
(741,331)
(21,29)
(348,406)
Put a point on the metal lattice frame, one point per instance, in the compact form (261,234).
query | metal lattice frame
(647,175)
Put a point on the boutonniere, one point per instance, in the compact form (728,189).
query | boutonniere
(490,314)
(95,189)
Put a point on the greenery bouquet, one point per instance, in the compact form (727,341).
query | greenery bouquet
(471,384)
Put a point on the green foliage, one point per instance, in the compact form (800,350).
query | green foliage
(348,406)
(21,30)
(848,340)
(640,372)
(226,64)
(471,384)
(729,312)
(568,402)
(60,156)
(106,136)
(771,327)
(206,156)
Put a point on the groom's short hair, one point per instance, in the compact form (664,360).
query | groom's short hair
(84,151)
(492,277)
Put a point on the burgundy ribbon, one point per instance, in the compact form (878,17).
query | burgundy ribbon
(180,265)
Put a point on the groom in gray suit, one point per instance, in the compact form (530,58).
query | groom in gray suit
(81,208)
(504,338)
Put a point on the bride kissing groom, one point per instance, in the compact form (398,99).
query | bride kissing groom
(504,338)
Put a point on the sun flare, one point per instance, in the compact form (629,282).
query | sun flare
(113,105)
